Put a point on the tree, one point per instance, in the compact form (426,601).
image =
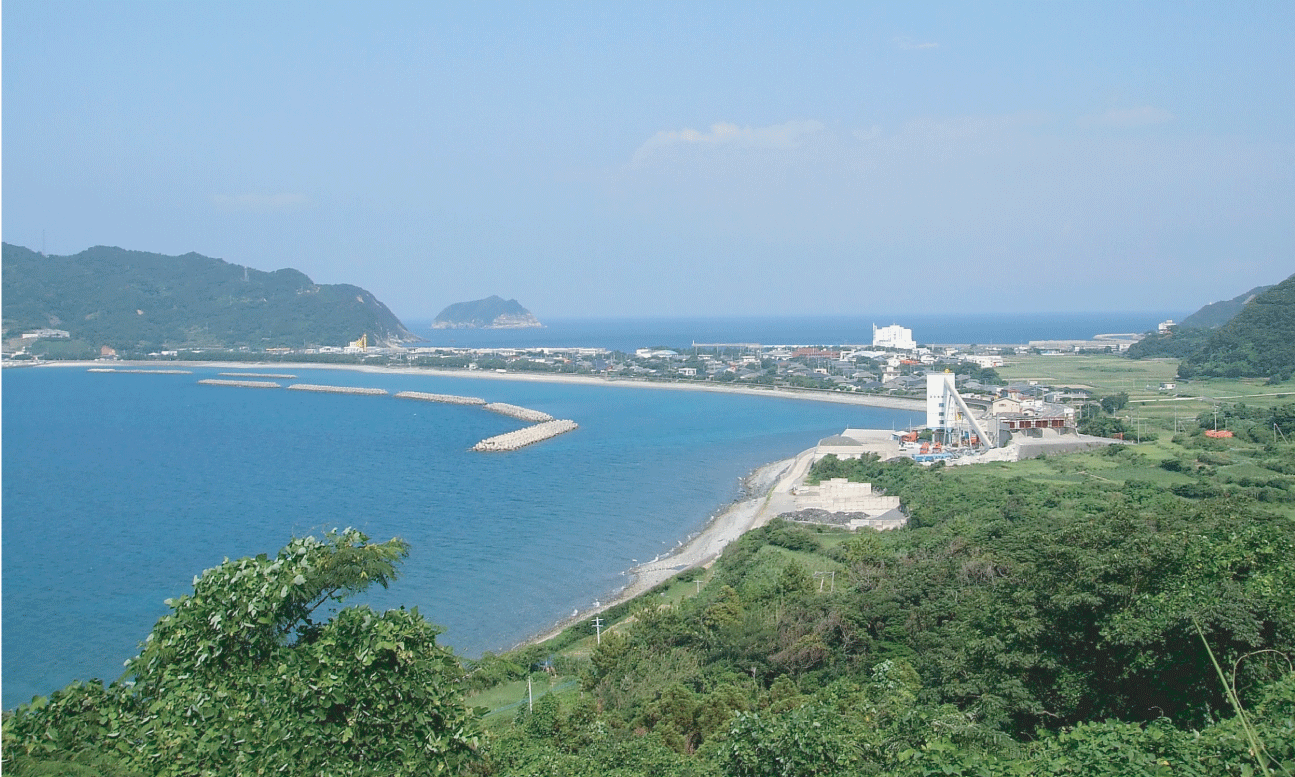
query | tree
(806,741)
(1115,402)
(240,678)
(1103,426)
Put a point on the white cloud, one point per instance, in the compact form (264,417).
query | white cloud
(260,203)
(908,44)
(725,135)
(1126,118)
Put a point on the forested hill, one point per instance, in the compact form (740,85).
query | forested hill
(1193,332)
(1258,342)
(135,301)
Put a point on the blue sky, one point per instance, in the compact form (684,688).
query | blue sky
(670,159)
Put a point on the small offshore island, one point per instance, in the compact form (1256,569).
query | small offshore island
(490,313)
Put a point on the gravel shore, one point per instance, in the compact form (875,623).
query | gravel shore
(750,511)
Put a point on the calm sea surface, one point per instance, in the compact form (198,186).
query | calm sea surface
(119,488)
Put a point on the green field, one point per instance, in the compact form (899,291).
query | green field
(1162,409)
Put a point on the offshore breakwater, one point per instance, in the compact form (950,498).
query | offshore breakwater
(544,426)
(239,383)
(520,413)
(540,432)
(448,399)
(336,389)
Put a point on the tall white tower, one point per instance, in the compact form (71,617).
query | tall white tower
(939,399)
(945,408)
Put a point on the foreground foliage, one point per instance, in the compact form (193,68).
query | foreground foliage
(239,678)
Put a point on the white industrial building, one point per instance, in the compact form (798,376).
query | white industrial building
(893,336)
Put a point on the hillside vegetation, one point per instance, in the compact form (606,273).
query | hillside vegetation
(136,302)
(1039,618)
(1232,338)
(1258,342)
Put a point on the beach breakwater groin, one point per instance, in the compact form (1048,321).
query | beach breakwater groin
(520,413)
(336,389)
(239,383)
(511,441)
(449,399)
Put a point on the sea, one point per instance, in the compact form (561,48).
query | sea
(118,488)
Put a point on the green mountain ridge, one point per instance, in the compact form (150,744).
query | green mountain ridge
(1194,332)
(1258,342)
(135,301)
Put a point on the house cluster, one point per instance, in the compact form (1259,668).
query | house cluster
(1019,407)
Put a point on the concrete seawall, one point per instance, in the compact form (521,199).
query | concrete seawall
(511,441)
(520,413)
(449,399)
(336,389)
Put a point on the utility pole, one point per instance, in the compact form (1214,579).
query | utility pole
(598,624)
(821,576)
(698,582)
(530,696)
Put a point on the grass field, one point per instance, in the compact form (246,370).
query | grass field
(1163,410)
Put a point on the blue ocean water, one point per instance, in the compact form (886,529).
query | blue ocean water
(118,488)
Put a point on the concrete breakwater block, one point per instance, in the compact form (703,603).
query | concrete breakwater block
(511,441)
(449,399)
